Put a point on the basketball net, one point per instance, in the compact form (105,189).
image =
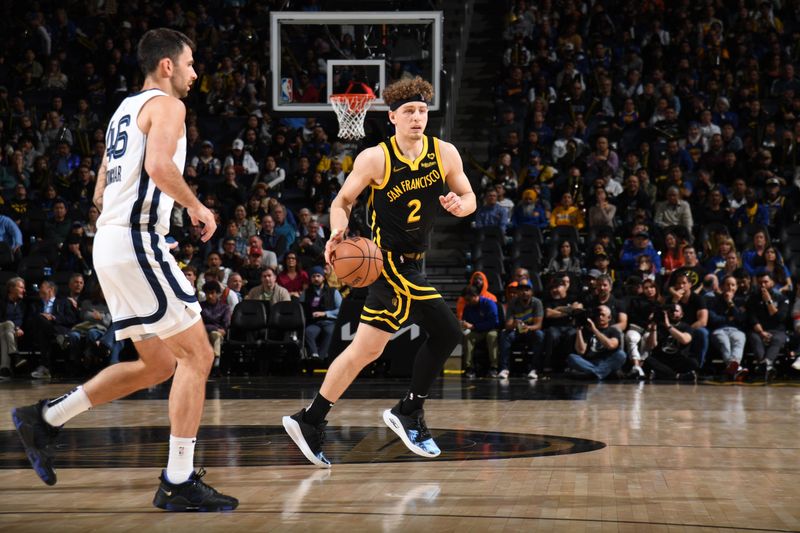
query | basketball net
(351,109)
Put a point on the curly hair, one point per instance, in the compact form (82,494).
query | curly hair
(400,90)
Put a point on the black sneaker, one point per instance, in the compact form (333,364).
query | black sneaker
(307,437)
(412,430)
(38,437)
(690,376)
(192,495)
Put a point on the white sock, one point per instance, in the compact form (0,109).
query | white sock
(181,459)
(58,411)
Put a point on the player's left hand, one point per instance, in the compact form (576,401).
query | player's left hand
(451,203)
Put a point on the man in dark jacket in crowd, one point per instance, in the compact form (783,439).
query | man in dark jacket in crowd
(767,309)
(51,319)
(321,305)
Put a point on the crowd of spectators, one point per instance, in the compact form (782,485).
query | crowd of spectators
(64,68)
(653,146)
(665,134)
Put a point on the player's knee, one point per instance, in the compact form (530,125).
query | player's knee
(447,333)
(369,354)
(444,344)
(203,359)
(196,353)
(364,353)
(161,369)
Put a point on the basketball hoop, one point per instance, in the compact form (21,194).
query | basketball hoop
(351,109)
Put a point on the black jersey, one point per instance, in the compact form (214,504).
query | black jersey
(402,209)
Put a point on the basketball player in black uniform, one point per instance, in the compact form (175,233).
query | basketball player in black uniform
(407,176)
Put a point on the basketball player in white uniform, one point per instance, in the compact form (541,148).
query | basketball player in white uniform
(151,302)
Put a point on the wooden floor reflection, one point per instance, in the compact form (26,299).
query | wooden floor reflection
(676,458)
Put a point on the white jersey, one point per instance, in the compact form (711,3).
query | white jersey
(131,199)
(146,292)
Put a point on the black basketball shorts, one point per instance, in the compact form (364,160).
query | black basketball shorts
(400,290)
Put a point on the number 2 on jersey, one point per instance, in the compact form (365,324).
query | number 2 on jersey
(117,135)
(415,205)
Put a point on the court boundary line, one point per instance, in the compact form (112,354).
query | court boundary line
(421,515)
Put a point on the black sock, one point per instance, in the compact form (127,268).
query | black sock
(444,334)
(318,410)
(412,402)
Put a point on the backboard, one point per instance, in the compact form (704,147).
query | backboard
(316,54)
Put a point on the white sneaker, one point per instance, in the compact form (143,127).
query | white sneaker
(503,374)
(796,364)
(41,373)
(636,371)
(533,375)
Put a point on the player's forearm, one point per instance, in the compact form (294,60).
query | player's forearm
(338,222)
(339,214)
(468,204)
(169,180)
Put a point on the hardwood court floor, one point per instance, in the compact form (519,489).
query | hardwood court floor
(568,456)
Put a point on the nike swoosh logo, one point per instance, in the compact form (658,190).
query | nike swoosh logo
(167,492)
(398,169)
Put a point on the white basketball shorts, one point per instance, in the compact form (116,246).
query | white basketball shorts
(145,290)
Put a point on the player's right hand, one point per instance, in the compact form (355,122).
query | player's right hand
(203,215)
(337,236)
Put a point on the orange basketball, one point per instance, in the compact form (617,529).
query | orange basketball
(357,261)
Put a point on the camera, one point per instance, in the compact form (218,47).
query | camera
(580,318)
(660,316)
